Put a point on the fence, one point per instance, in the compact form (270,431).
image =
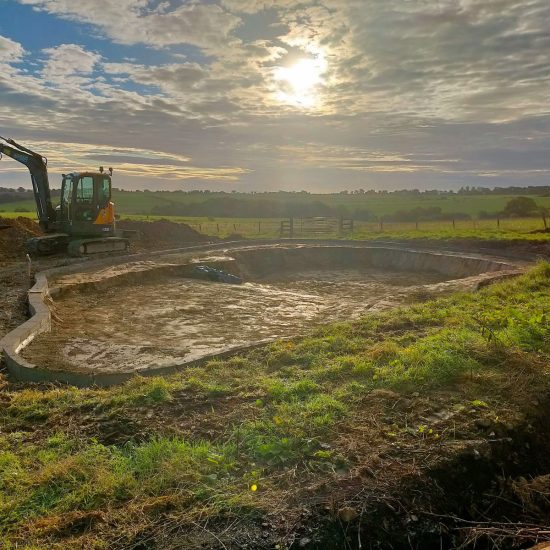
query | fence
(314,227)
(334,227)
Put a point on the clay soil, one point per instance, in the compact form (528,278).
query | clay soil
(162,234)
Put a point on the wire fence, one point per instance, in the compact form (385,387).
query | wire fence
(319,227)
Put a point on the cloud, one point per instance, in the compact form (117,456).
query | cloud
(409,92)
(68,64)
(10,51)
(134,21)
(127,161)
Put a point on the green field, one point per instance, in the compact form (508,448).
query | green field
(145,203)
(266,228)
(139,205)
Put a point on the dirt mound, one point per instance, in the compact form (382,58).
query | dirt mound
(163,233)
(13,235)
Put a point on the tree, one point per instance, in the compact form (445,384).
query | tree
(521,206)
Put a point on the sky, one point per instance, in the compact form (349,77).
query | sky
(267,95)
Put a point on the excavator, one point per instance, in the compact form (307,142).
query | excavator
(84,221)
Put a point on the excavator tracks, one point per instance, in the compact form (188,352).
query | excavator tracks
(85,247)
(47,244)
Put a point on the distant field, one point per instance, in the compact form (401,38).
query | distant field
(137,206)
(144,203)
(509,229)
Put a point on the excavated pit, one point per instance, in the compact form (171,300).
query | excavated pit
(146,316)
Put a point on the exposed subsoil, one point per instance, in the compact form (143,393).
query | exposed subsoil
(174,320)
(160,234)
(14,235)
(517,249)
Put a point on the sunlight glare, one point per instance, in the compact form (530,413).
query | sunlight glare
(299,83)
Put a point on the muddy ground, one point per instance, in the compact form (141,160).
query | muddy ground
(171,320)
(14,267)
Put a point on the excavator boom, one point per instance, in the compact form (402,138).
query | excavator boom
(37,165)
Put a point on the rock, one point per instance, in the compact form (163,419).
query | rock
(304,541)
(347,514)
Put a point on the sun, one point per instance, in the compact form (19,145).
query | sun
(299,83)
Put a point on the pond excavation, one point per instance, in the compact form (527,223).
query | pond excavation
(423,426)
(156,315)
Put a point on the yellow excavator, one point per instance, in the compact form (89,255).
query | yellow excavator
(84,221)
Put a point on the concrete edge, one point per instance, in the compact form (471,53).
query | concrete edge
(40,321)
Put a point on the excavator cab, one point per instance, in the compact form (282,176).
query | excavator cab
(85,207)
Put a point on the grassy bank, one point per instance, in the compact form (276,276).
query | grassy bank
(246,446)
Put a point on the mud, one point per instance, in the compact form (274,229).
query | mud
(146,314)
(14,237)
(175,320)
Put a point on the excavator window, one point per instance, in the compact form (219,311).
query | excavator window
(66,198)
(84,197)
(85,189)
(104,192)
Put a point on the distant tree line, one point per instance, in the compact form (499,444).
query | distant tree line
(8,194)
(229,207)
(537,190)
(14,195)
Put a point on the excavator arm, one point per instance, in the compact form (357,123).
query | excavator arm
(37,165)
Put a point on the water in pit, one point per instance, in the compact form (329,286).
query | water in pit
(175,320)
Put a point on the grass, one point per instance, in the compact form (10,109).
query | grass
(143,203)
(514,229)
(247,435)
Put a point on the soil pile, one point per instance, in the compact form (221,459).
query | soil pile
(13,235)
(162,233)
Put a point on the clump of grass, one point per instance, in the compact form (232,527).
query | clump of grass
(144,391)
